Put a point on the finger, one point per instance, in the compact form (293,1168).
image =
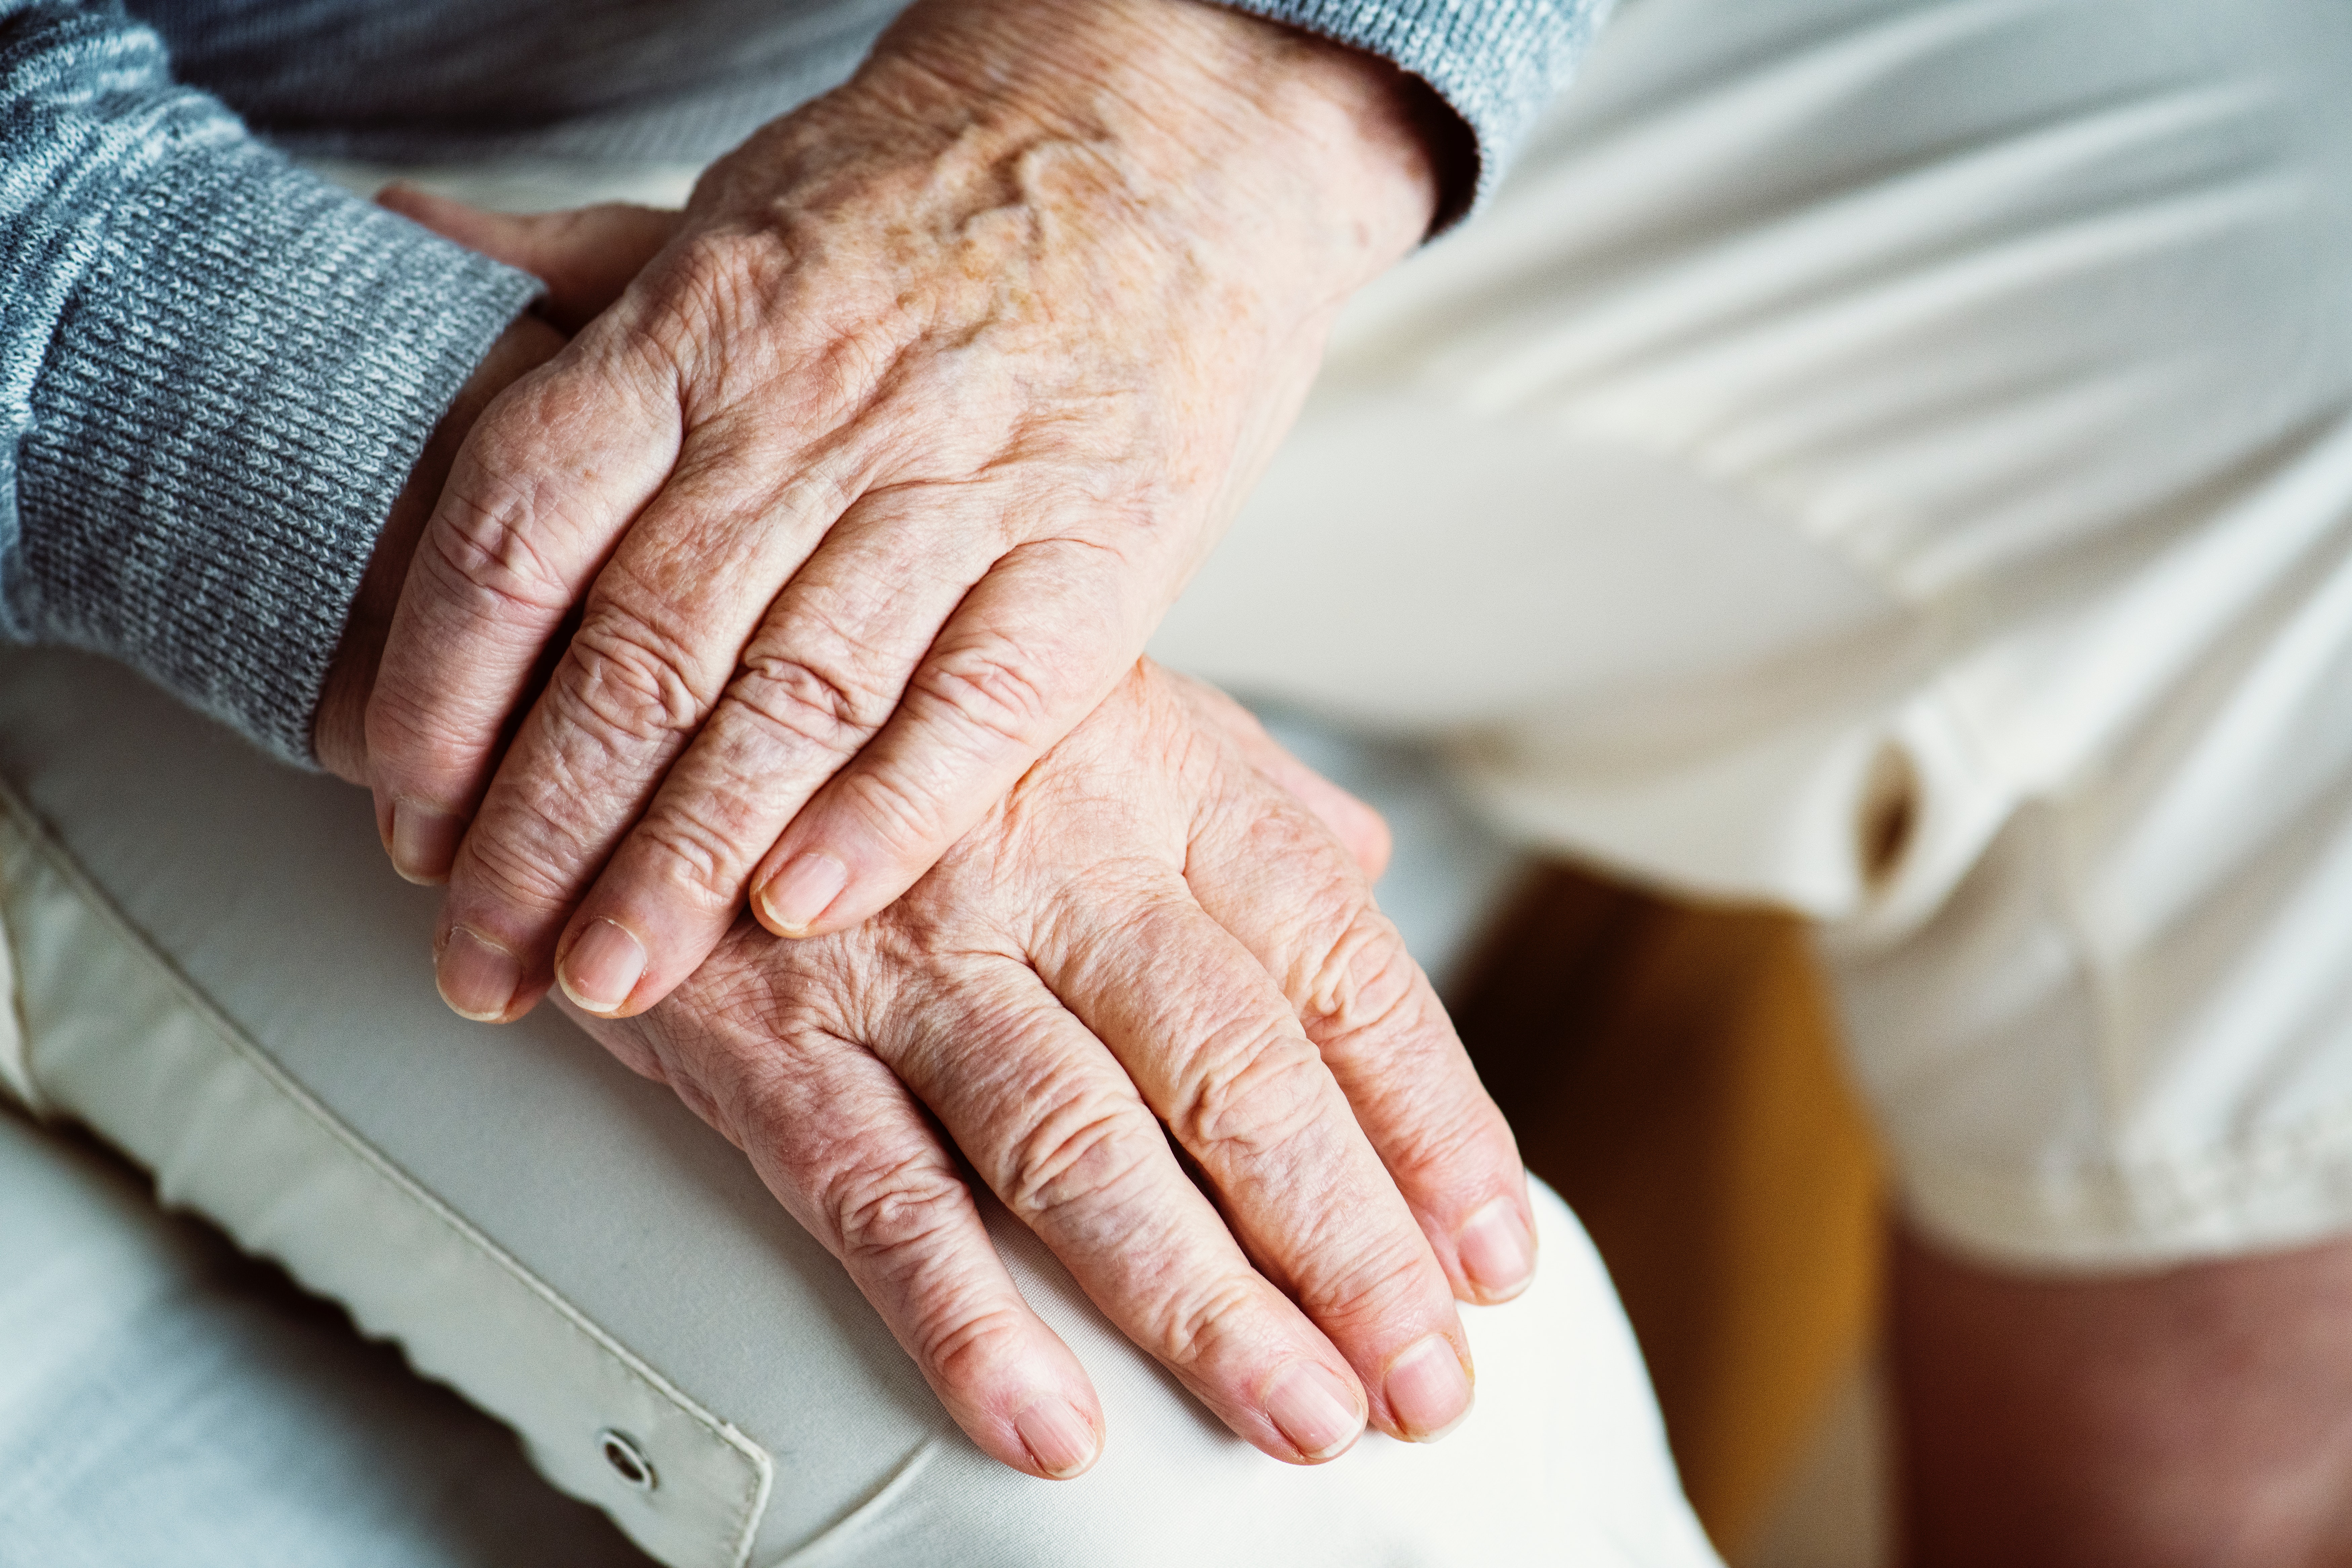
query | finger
(851,1156)
(585,255)
(817,681)
(1220,1056)
(1269,874)
(543,483)
(1359,828)
(1035,648)
(663,629)
(1054,1127)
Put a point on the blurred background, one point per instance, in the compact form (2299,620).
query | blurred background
(1672,1069)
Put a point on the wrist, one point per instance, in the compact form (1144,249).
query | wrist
(339,728)
(1206,117)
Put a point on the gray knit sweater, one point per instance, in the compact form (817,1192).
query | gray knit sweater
(216,369)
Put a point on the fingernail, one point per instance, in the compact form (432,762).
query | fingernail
(477,976)
(603,967)
(1429,1393)
(798,894)
(1062,1441)
(423,842)
(1319,1413)
(1496,1252)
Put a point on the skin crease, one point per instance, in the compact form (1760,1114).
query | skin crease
(1151,927)
(1022,992)
(873,482)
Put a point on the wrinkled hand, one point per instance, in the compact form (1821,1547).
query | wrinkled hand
(881,473)
(1148,930)
(1167,919)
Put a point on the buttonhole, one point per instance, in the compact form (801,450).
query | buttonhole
(1889,817)
(628,1460)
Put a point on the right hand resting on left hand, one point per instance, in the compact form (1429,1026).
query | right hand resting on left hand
(1151,926)
(1148,930)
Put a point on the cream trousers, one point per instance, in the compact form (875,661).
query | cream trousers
(215,969)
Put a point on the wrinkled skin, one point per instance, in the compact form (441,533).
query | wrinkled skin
(1151,928)
(872,483)
(978,353)
(1167,921)
(1148,930)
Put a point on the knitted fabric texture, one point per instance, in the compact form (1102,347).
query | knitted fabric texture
(216,374)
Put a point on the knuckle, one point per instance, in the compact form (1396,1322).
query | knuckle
(964,1346)
(893,1217)
(899,1221)
(1377,1021)
(892,811)
(482,552)
(1192,1323)
(1087,1151)
(686,852)
(528,856)
(720,810)
(626,682)
(1452,1146)
(412,735)
(1346,968)
(995,688)
(801,699)
(1364,981)
(1250,1093)
(1371,1278)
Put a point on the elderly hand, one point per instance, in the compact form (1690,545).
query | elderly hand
(1147,931)
(881,474)
(1167,921)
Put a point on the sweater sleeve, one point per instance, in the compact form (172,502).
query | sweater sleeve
(216,373)
(1496,63)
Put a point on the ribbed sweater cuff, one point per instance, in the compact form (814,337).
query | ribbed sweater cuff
(1494,62)
(232,401)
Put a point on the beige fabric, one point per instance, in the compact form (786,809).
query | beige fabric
(218,972)
(133,1048)
(1894,461)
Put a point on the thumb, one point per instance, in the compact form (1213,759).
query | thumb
(585,255)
